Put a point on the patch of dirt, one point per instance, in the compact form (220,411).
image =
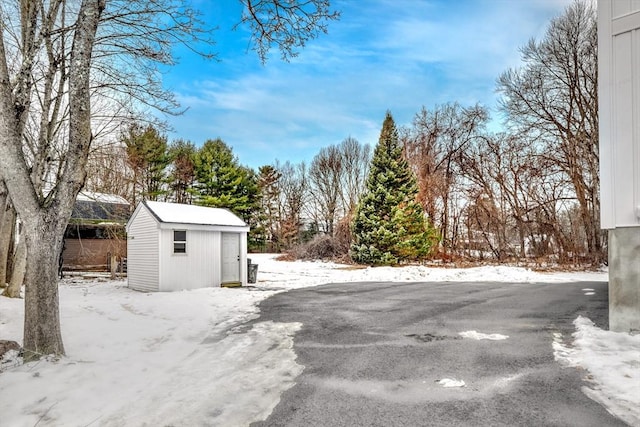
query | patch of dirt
(353,267)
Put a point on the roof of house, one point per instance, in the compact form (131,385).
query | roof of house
(91,206)
(192,214)
(92,196)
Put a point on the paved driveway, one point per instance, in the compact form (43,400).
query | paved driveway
(374,352)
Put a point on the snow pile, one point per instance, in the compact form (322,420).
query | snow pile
(297,274)
(612,360)
(195,358)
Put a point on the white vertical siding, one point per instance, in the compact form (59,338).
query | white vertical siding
(198,268)
(142,251)
(623,7)
(243,258)
(217,259)
(619,102)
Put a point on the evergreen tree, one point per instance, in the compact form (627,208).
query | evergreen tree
(147,155)
(220,181)
(389,225)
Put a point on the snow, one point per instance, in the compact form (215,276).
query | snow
(192,214)
(90,196)
(195,358)
(474,335)
(612,360)
(449,382)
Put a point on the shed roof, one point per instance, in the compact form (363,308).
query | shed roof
(192,214)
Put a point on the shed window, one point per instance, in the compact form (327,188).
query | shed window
(179,241)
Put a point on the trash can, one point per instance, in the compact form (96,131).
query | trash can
(252,271)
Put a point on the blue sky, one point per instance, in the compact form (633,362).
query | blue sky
(396,55)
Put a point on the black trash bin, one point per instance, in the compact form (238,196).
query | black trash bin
(252,271)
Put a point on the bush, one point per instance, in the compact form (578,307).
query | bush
(322,246)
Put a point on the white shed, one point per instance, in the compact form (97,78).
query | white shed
(172,246)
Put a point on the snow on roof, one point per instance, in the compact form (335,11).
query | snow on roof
(90,196)
(192,214)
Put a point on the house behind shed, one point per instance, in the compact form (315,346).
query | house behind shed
(95,233)
(173,246)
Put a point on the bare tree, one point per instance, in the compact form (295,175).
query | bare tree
(269,189)
(519,203)
(553,98)
(336,180)
(498,171)
(325,177)
(109,172)
(285,24)
(293,187)
(19,264)
(45,215)
(356,158)
(433,146)
(182,170)
(74,51)
(7,237)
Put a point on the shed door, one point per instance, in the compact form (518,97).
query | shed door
(230,257)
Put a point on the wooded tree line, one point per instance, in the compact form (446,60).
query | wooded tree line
(529,192)
(532,191)
(284,203)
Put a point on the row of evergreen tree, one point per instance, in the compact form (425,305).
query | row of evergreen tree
(209,175)
(387,227)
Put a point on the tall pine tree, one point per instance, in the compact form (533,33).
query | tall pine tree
(147,155)
(220,181)
(389,225)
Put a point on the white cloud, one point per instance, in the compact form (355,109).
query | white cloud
(397,55)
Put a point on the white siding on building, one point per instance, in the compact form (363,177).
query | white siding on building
(623,7)
(619,102)
(244,249)
(142,251)
(199,267)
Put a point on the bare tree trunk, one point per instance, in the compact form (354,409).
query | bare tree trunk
(42,334)
(113,264)
(12,246)
(44,229)
(45,220)
(19,267)
(7,220)
(553,96)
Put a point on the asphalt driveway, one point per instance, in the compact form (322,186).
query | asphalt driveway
(374,353)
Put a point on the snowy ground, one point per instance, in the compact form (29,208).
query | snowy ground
(190,358)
